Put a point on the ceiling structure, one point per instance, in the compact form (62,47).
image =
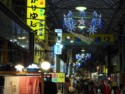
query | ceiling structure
(56,9)
(112,15)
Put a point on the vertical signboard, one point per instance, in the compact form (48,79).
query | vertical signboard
(58,77)
(36,16)
(58,46)
(58,49)
(59,35)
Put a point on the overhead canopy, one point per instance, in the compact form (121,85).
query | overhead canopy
(108,8)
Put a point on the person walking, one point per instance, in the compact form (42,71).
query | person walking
(122,89)
(106,88)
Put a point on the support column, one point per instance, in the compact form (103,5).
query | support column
(5,53)
(42,81)
(122,64)
(121,39)
(57,63)
(31,48)
(69,57)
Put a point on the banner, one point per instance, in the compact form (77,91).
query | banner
(91,39)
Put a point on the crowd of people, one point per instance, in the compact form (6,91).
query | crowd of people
(85,86)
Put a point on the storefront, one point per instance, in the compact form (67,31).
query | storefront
(16,38)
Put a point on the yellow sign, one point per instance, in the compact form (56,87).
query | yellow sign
(106,70)
(36,14)
(76,38)
(58,77)
(65,35)
(36,17)
(37,26)
(85,39)
(102,37)
(96,38)
(33,3)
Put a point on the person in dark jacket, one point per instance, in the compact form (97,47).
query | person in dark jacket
(50,87)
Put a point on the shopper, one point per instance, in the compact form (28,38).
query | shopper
(50,87)
(122,89)
(106,88)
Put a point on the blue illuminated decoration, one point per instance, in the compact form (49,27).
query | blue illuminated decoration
(100,21)
(72,21)
(82,58)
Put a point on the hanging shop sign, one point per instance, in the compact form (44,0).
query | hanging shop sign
(58,49)
(58,46)
(36,16)
(76,38)
(58,77)
(102,38)
(59,35)
(94,39)
(83,38)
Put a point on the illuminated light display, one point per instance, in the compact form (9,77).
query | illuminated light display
(88,23)
(81,8)
(58,45)
(36,16)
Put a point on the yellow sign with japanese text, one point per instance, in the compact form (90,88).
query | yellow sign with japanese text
(33,3)
(102,37)
(36,24)
(36,14)
(61,77)
(65,35)
(36,17)
(96,38)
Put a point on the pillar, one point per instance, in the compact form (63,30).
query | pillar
(5,52)
(57,63)
(69,59)
(121,39)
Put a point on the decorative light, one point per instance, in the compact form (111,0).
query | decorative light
(81,8)
(72,21)
(71,41)
(23,37)
(61,46)
(97,67)
(19,67)
(82,50)
(45,65)
(109,78)
(81,26)
(68,37)
(33,66)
